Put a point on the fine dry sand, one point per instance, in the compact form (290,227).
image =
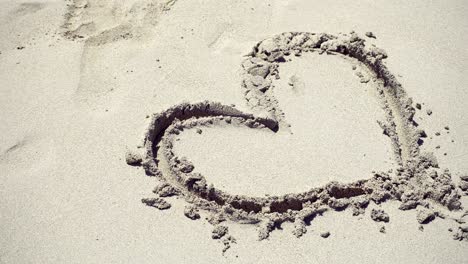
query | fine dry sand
(233,132)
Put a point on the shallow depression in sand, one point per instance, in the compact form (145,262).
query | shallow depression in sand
(335,136)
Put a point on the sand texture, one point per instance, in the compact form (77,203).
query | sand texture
(233,132)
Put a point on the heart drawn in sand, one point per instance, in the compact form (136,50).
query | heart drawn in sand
(177,176)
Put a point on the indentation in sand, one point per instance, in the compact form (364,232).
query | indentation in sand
(415,180)
(102,25)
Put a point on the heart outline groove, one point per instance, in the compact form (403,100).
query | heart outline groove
(417,180)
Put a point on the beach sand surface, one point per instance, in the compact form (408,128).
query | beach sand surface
(78,81)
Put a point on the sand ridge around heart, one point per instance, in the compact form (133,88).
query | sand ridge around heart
(416,181)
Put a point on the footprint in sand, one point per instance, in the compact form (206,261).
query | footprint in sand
(101,25)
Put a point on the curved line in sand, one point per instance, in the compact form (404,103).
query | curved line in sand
(409,185)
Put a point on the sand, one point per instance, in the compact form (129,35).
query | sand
(257,138)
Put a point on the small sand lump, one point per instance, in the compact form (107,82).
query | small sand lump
(379,215)
(325,234)
(299,228)
(462,233)
(463,185)
(165,190)
(369,34)
(132,158)
(191,212)
(185,165)
(219,231)
(156,203)
(382,230)
(227,240)
(425,216)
